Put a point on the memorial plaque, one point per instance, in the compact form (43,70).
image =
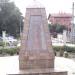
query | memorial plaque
(36,37)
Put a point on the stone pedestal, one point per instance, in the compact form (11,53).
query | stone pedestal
(40,72)
(36,49)
(36,56)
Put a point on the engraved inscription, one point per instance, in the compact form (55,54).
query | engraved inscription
(36,37)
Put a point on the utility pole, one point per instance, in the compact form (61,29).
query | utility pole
(73,26)
(73,17)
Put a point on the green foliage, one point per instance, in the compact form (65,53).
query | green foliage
(64,48)
(0,51)
(69,49)
(56,28)
(59,48)
(9,51)
(10,18)
(60,28)
(1,43)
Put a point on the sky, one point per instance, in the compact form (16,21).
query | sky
(52,6)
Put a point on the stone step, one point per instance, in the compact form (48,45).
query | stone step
(40,72)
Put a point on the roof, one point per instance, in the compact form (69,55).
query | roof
(35,4)
(62,15)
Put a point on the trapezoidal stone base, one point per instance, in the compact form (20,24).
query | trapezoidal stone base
(36,60)
(40,72)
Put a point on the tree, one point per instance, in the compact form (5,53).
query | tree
(60,28)
(11,18)
(56,28)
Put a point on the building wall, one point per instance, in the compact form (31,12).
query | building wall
(61,18)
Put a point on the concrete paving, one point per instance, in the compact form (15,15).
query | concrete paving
(10,64)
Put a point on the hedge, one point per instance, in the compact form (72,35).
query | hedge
(10,51)
(64,48)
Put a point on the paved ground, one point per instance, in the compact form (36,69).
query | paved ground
(11,64)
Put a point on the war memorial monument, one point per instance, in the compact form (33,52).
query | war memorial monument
(36,56)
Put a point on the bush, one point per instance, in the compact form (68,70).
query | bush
(69,49)
(10,51)
(57,48)
(0,51)
(56,28)
(64,48)
(1,43)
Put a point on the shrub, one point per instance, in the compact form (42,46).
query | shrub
(1,43)
(70,49)
(64,48)
(0,51)
(57,48)
(10,51)
(56,28)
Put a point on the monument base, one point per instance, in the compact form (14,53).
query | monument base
(40,72)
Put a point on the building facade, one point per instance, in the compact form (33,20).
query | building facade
(61,19)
